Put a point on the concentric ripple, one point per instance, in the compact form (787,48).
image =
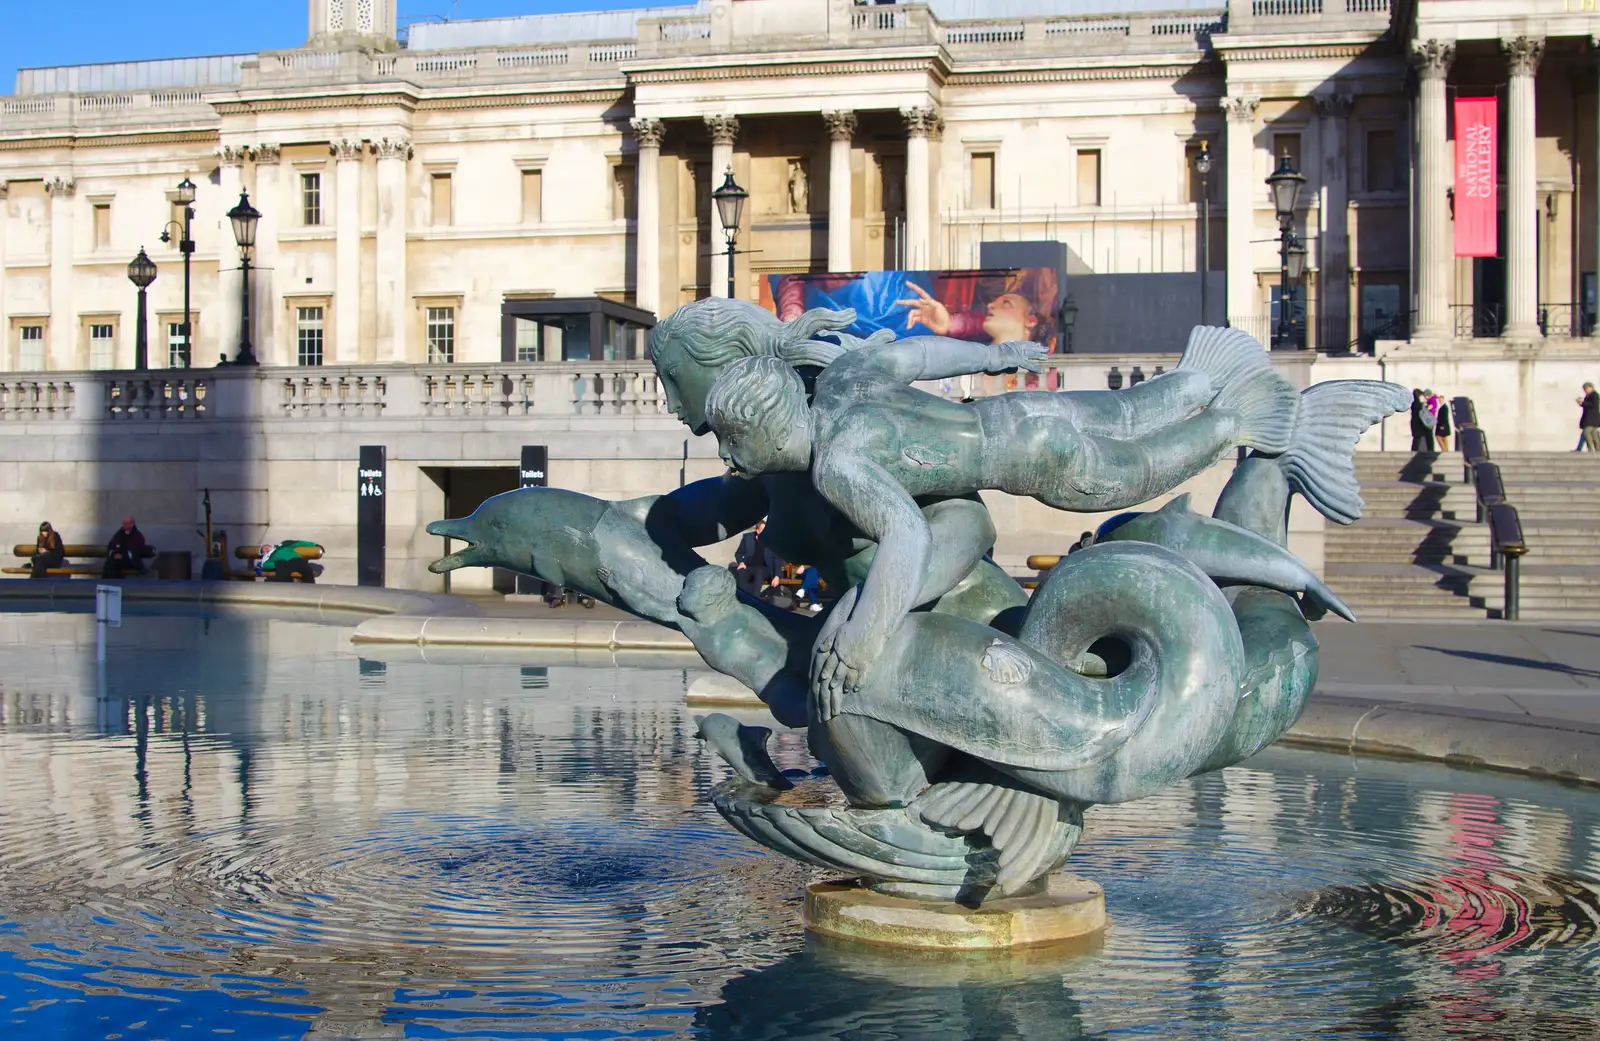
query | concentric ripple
(242,827)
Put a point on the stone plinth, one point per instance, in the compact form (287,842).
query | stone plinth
(1069,909)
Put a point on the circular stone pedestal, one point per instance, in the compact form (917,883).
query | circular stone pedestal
(1071,907)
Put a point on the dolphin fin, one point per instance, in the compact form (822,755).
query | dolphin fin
(743,748)
(1319,461)
(1021,825)
(1179,504)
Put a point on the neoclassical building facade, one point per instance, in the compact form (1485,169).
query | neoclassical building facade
(409,191)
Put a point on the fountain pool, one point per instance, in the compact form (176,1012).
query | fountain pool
(243,826)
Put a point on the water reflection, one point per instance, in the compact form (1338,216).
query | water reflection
(253,826)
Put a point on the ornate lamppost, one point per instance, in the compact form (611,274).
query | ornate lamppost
(244,217)
(1286,183)
(1069,319)
(730,206)
(141,272)
(1202,166)
(185,197)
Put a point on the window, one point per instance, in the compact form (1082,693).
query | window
(102,225)
(532,196)
(1383,168)
(442,198)
(981,176)
(529,337)
(441,335)
(621,191)
(102,346)
(1089,177)
(177,218)
(311,199)
(308,335)
(177,347)
(30,354)
(1286,145)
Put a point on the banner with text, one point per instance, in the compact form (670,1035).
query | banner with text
(1477,173)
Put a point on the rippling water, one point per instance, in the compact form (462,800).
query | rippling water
(243,827)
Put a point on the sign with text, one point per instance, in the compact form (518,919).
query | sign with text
(534,473)
(372,486)
(1477,176)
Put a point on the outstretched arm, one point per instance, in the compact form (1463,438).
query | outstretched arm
(939,357)
(877,504)
(706,512)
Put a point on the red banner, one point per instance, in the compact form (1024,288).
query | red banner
(1477,144)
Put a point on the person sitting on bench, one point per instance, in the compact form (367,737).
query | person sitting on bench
(48,551)
(283,562)
(127,545)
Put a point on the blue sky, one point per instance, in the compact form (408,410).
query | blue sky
(76,32)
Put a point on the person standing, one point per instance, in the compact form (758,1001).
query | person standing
(48,552)
(1421,422)
(1441,425)
(127,545)
(756,567)
(1589,418)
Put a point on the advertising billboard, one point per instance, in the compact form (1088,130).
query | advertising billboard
(983,306)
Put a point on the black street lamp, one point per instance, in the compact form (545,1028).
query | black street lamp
(730,206)
(185,197)
(244,217)
(1202,166)
(141,272)
(1069,319)
(1286,183)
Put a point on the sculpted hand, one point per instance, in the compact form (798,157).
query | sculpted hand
(1016,354)
(844,651)
(927,311)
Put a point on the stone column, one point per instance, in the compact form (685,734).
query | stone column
(724,129)
(922,124)
(1334,270)
(1434,250)
(5,325)
(267,307)
(221,321)
(1522,193)
(647,273)
(841,128)
(1243,307)
(1594,44)
(63,342)
(346,346)
(394,308)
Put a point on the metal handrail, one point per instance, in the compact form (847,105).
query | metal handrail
(1507,546)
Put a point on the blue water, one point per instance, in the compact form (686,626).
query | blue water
(245,828)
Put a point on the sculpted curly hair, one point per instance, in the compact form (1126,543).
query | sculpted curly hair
(708,593)
(715,331)
(755,394)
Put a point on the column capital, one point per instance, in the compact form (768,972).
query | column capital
(1433,58)
(60,187)
(392,148)
(841,124)
(232,155)
(724,129)
(1334,105)
(649,132)
(1241,108)
(345,151)
(922,122)
(5,189)
(1523,54)
(268,155)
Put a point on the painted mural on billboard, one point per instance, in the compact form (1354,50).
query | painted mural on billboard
(984,306)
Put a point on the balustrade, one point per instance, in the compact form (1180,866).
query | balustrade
(157,397)
(27,398)
(333,394)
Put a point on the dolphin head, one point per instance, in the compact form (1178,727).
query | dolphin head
(535,531)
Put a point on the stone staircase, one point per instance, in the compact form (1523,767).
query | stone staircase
(1417,551)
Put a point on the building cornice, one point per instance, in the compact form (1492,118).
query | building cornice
(1284,47)
(609,96)
(236,105)
(733,67)
(158,137)
(1101,74)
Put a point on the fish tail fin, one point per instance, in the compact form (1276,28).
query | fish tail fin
(1319,461)
(1244,383)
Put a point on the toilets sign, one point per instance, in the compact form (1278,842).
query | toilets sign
(534,472)
(372,482)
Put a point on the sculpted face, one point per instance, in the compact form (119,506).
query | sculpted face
(766,449)
(685,383)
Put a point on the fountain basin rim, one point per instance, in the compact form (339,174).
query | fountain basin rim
(359,600)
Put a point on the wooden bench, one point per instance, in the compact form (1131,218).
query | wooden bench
(253,554)
(26,551)
(1042,563)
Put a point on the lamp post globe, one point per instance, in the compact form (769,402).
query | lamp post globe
(141,272)
(1202,162)
(1069,320)
(244,218)
(1297,260)
(730,207)
(1286,183)
(185,193)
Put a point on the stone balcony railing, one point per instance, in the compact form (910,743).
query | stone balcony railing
(102,110)
(1299,16)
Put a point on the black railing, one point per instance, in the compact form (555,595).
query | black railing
(1506,544)
(1571,321)
(1478,320)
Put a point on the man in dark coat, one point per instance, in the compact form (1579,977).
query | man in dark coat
(1589,418)
(125,549)
(1421,423)
(756,567)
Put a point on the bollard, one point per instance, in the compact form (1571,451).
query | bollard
(1513,609)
